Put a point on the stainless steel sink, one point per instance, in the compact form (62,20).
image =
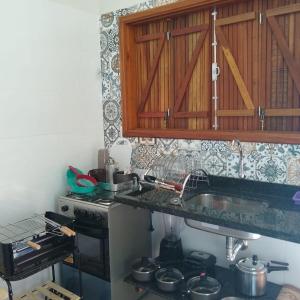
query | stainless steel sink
(220,202)
(224,203)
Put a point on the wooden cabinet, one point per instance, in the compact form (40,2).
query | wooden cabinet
(172,76)
(166,70)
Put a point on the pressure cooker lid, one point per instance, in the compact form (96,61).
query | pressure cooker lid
(251,265)
(203,285)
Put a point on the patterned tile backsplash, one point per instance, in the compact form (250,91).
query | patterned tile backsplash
(278,163)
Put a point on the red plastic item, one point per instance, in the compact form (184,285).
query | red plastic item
(80,177)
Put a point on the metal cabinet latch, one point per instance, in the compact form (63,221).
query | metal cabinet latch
(262,115)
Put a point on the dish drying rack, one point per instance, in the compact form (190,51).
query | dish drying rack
(175,172)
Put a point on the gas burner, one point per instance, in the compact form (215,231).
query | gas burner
(103,201)
(92,198)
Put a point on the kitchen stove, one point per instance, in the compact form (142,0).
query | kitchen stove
(90,215)
(105,198)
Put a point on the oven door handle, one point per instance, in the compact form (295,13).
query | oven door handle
(92,231)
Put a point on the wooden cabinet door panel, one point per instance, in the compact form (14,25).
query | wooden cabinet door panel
(237,31)
(282,105)
(153,55)
(192,54)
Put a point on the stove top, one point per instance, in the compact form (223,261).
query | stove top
(101,198)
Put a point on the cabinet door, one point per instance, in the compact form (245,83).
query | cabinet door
(173,63)
(237,31)
(153,69)
(191,52)
(281,58)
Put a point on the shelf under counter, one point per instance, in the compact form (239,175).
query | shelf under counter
(224,276)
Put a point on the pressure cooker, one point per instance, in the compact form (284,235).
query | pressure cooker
(251,275)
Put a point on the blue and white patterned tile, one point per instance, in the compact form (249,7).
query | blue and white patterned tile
(111,111)
(293,171)
(215,146)
(107,20)
(192,159)
(189,144)
(111,133)
(272,149)
(163,2)
(271,169)
(143,156)
(167,145)
(234,167)
(294,150)
(215,164)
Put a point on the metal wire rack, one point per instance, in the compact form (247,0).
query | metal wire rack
(184,173)
(20,233)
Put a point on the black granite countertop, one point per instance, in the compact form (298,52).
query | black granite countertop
(273,214)
(224,276)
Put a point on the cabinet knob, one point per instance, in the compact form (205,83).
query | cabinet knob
(64,208)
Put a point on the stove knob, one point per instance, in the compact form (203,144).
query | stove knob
(64,208)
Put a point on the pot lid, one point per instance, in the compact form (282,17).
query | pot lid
(203,285)
(251,265)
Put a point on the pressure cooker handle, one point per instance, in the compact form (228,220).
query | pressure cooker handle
(280,263)
(276,268)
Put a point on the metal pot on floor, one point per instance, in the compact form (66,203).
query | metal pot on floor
(203,288)
(168,279)
(144,268)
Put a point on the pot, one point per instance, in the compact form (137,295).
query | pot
(203,287)
(251,275)
(168,279)
(143,269)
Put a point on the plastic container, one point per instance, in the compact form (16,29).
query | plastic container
(296,198)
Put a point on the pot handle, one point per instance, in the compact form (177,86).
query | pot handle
(276,268)
(279,263)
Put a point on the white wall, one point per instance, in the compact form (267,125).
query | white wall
(266,248)
(50,100)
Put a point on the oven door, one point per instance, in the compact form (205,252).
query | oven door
(92,249)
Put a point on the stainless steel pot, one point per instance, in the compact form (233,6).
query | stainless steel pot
(168,279)
(143,269)
(251,275)
(203,287)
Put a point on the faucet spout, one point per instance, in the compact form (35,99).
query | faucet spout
(241,157)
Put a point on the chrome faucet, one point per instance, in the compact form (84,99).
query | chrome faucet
(241,159)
